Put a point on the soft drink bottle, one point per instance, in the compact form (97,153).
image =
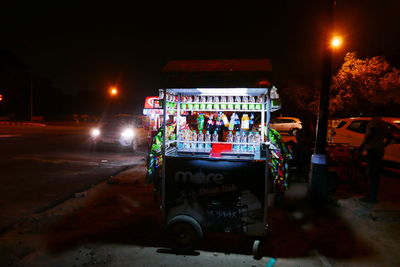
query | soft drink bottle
(245,122)
(237,123)
(194,140)
(218,124)
(243,140)
(209,102)
(210,124)
(200,138)
(207,139)
(230,102)
(258,102)
(245,99)
(232,122)
(203,102)
(196,100)
(237,100)
(251,123)
(225,121)
(216,100)
(252,101)
(200,122)
(223,102)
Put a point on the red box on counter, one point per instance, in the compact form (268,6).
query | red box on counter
(217,148)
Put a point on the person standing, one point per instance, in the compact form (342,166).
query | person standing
(304,146)
(377,137)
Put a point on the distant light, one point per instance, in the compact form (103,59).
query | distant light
(95,132)
(113,91)
(336,41)
(128,133)
(1,97)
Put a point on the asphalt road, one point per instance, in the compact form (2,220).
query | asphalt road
(43,166)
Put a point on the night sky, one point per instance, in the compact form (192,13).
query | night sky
(89,47)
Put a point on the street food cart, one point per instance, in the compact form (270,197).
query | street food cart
(215,149)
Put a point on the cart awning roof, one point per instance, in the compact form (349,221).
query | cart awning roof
(226,73)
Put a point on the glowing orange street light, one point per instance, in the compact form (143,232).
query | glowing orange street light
(336,41)
(113,91)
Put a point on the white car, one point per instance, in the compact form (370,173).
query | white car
(286,124)
(119,130)
(352,131)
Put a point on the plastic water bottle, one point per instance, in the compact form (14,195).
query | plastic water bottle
(243,139)
(257,141)
(181,138)
(215,137)
(250,139)
(207,139)
(188,138)
(229,137)
(236,140)
(194,140)
(200,138)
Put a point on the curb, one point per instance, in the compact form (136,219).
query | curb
(14,123)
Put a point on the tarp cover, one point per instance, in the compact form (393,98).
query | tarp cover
(226,73)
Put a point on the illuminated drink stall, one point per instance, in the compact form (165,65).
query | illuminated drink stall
(215,149)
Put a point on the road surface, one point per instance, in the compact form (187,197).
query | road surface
(43,166)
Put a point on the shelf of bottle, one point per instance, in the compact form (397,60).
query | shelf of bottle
(218,142)
(218,103)
(218,110)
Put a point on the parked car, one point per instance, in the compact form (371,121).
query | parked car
(286,124)
(352,131)
(118,130)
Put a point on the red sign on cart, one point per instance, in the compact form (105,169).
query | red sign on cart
(152,102)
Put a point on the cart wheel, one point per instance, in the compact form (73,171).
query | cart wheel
(184,234)
(256,249)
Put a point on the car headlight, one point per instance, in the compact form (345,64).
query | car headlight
(95,132)
(128,133)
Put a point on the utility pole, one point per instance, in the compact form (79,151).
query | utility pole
(318,182)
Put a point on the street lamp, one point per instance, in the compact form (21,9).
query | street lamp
(113,91)
(336,41)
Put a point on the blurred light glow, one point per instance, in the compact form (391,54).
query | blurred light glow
(336,41)
(128,133)
(113,91)
(95,132)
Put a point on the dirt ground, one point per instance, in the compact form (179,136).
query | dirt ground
(118,223)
